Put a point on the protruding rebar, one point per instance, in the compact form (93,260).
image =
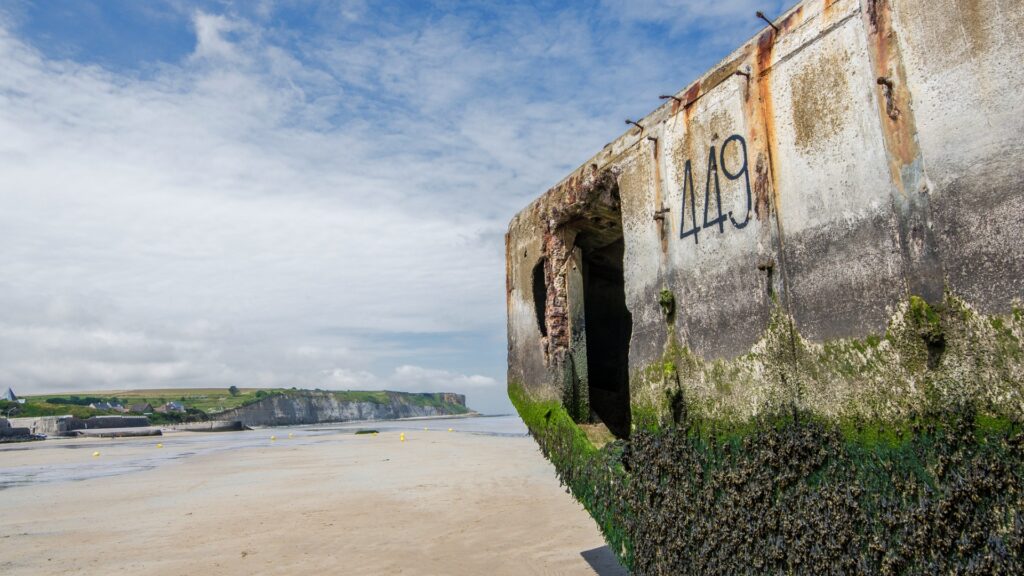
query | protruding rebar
(765,18)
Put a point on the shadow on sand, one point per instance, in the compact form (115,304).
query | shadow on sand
(604,562)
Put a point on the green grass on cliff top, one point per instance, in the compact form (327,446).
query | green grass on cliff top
(210,400)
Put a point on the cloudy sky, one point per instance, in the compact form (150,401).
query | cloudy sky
(301,193)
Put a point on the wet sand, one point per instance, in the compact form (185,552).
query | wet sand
(326,502)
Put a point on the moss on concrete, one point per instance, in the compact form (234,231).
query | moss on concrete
(667,301)
(593,476)
(929,357)
(791,492)
(899,452)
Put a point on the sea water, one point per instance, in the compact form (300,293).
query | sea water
(181,445)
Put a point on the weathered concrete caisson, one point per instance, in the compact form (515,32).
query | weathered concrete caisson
(791,298)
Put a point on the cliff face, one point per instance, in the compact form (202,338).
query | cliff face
(315,407)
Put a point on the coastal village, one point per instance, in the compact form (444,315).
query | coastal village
(36,418)
(151,412)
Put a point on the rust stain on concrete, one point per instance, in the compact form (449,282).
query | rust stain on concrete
(792,20)
(894,99)
(765,53)
(690,97)
(828,9)
(660,219)
(918,245)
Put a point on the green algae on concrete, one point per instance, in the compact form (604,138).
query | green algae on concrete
(792,492)
(893,453)
(593,476)
(929,356)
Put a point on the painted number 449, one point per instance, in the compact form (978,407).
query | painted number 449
(712,180)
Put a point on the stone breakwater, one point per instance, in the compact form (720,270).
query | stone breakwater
(63,425)
(318,407)
(9,433)
(209,426)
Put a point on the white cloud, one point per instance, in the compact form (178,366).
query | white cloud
(211,31)
(285,209)
(345,379)
(680,14)
(431,379)
(409,378)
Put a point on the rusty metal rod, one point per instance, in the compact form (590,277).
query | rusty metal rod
(667,96)
(637,124)
(765,18)
(742,73)
(652,139)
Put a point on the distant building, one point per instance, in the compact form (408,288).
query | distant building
(172,407)
(141,408)
(10,396)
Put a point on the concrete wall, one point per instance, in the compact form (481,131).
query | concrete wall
(6,431)
(61,425)
(109,422)
(867,152)
(49,425)
(209,426)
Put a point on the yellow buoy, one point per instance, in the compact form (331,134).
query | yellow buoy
(159,445)
(273,437)
(95,454)
(424,428)
(402,436)
(289,434)
(450,430)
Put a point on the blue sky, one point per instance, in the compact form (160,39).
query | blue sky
(300,193)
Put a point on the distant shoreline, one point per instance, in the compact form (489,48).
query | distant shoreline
(409,419)
(253,407)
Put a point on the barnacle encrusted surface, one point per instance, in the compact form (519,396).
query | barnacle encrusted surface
(919,471)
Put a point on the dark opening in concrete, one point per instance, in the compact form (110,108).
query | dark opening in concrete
(609,326)
(608,322)
(936,348)
(540,296)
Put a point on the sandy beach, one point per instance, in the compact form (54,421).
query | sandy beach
(320,502)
